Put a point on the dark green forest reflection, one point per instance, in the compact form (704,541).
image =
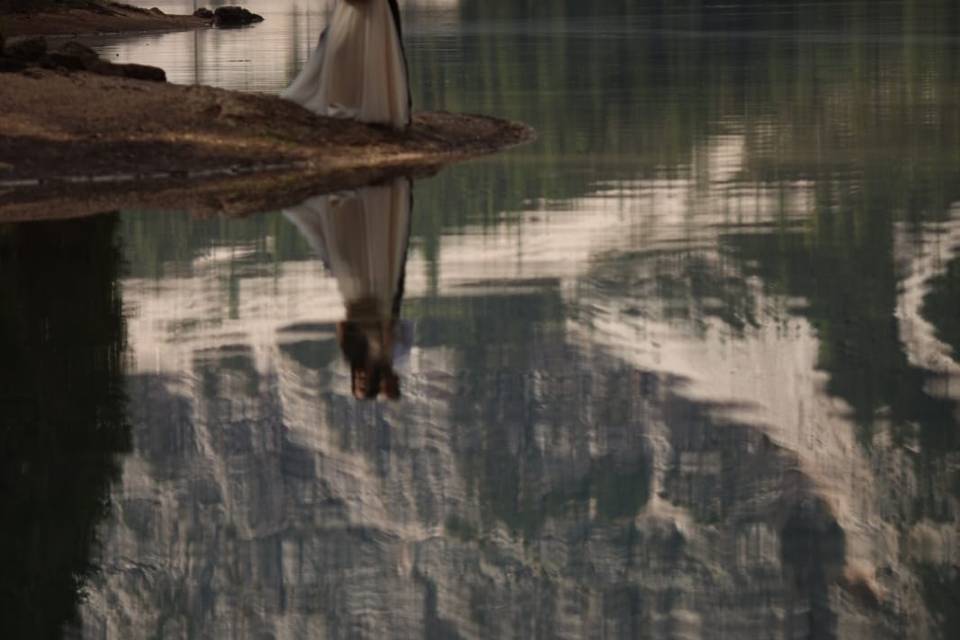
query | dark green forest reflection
(62,413)
(854,91)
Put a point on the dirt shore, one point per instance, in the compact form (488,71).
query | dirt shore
(78,143)
(95,18)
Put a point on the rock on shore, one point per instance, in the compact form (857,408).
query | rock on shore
(22,54)
(234,17)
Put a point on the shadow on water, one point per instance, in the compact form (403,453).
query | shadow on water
(62,414)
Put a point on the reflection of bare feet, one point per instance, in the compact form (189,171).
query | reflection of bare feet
(391,385)
(374,380)
(359,383)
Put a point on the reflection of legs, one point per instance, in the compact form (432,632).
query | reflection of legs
(362,237)
(371,382)
(367,347)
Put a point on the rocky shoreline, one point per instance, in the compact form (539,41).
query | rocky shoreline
(28,54)
(88,17)
(81,135)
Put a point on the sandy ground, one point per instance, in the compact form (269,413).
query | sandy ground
(77,144)
(106,18)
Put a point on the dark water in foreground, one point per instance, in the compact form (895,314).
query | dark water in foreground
(689,366)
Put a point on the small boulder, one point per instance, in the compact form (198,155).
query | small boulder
(204,13)
(72,56)
(142,72)
(234,17)
(156,11)
(77,50)
(56,60)
(132,71)
(26,49)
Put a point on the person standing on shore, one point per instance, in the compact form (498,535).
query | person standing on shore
(359,68)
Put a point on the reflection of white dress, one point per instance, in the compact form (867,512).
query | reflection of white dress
(358,69)
(362,237)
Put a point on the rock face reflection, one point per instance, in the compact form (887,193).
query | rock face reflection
(579,498)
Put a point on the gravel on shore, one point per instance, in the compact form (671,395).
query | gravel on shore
(76,143)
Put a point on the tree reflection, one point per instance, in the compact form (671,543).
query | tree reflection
(62,413)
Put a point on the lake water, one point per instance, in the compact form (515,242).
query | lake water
(688,366)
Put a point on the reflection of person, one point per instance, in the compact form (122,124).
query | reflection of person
(358,69)
(362,237)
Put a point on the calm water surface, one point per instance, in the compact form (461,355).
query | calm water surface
(688,366)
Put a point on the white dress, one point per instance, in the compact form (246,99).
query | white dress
(358,69)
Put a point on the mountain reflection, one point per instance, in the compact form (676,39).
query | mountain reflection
(528,485)
(634,436)
(62,414)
